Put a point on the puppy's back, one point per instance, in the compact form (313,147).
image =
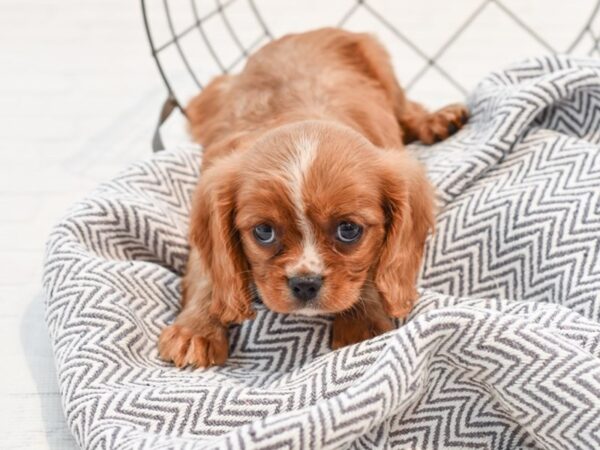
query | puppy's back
(327,74)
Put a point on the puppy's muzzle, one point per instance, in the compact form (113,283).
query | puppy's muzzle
(305,288)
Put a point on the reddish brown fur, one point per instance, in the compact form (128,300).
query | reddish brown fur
(336,90)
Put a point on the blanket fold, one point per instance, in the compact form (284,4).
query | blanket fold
(501,351)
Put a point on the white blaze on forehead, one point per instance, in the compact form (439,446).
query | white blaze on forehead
(310,261)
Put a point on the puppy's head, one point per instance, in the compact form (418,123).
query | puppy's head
(308,217)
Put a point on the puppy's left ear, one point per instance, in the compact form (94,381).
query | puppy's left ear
(409,206)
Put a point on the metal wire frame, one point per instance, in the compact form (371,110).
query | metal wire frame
(198,25)
(172,100)
(430,61)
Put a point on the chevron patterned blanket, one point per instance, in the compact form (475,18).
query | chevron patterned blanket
(501,351)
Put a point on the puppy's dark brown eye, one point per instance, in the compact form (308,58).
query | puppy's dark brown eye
(348,232)
(264,234)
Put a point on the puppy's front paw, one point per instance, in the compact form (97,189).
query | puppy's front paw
(443,123)
(184,346)
(348,329)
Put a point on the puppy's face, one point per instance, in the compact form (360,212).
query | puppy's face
(311,215)
(311,218)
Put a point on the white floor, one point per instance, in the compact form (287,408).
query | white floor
(79,97)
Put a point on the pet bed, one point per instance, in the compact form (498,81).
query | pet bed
(501,351)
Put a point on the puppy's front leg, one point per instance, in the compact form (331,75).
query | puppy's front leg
(366,319)
(196,337)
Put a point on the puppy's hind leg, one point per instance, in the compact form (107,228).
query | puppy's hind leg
(431,127)
(416,122)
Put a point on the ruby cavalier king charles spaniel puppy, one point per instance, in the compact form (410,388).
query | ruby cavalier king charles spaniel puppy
(308,198)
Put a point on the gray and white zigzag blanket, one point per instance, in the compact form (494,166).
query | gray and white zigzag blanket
(501,351)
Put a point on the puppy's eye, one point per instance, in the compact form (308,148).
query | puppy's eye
(265,234)
(348,232)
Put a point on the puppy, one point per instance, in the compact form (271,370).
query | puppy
(307,197)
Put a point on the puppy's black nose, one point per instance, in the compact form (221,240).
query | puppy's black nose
(305,288)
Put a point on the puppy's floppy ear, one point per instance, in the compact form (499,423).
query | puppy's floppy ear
(408,203)
(214,235)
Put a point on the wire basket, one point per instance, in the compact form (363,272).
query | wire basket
(438,48)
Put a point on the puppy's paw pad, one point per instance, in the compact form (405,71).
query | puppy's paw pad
(184,347)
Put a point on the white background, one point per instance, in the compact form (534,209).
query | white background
(79,97)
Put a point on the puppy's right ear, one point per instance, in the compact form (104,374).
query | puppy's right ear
(409,206)
(214,235)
